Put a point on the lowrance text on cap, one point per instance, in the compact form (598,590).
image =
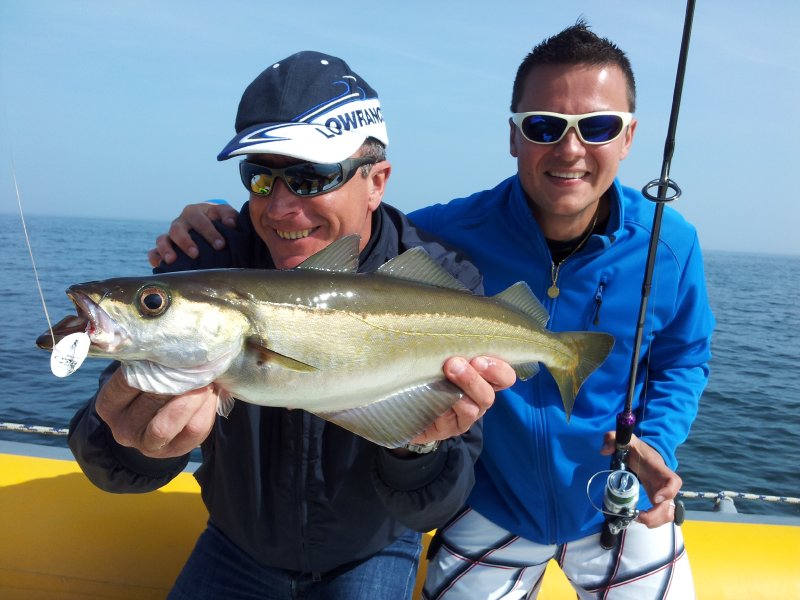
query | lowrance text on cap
(309,106)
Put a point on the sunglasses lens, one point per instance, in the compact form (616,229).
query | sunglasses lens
(260,183)
(309,179)
(256,179)
(600,128)
(305,179)
(543,129)
(550,128)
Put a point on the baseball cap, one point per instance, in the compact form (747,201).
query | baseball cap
(309,106)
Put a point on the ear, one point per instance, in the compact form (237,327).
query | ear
(626,146)
(512,139)
(376,180)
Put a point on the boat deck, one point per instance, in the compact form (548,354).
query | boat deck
(65,539)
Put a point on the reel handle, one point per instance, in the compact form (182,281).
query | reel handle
(680,513)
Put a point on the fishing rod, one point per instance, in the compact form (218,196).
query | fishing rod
(622,487)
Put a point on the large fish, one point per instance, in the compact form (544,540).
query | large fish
(364,351)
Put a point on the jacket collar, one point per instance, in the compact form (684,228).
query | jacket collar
(521,214)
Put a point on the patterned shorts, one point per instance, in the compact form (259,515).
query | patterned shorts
(477,560)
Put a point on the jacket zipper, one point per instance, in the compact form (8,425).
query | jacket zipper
(598,300)
(545,459)
(302,487)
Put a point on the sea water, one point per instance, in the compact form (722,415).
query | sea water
(746,437)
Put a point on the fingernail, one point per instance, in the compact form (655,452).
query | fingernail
(194,252)
(230,222)
(457,366)
(218,244)
(480,363)
(658,499)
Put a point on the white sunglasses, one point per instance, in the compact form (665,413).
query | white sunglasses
(594,128)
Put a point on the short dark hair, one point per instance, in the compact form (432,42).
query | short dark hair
(574,45)
(374,149)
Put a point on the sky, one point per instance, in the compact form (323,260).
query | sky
(117,109)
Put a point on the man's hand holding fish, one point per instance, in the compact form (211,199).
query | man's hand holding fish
(158,425)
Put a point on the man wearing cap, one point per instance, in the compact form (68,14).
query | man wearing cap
(298,507)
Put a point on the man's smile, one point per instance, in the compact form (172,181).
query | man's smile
(294,235)
(568,174)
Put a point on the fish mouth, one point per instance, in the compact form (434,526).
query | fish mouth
(105,334)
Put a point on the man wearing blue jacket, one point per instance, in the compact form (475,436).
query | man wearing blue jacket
(579,238)
(565,225)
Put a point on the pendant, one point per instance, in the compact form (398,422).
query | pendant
(552,291)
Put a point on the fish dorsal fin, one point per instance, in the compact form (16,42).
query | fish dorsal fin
(417,265)
(340,256)
(521,297)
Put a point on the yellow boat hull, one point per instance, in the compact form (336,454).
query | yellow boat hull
(63,539)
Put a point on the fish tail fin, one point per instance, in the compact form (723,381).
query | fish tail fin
(589,350)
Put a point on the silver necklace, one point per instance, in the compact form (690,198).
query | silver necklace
(553,290)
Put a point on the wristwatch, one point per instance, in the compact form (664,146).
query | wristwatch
(421,448)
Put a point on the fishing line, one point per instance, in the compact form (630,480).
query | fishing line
(71,350)
(30,250)
(25,230)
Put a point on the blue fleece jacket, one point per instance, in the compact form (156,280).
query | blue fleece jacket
(532,475)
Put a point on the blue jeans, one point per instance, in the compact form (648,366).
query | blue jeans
(219,570)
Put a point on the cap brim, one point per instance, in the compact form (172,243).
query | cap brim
(328,138)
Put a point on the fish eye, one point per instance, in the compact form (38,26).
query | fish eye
(153,301)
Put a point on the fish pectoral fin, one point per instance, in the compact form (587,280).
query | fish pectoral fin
(394,420)
(225,402)
(417,265)
(265,355)
(520,297)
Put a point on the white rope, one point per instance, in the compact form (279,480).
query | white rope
(42,429)
(738,496)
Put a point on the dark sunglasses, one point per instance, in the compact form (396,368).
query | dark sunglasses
(303,179)
(542,127)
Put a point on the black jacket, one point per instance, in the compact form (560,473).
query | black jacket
(290,489)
